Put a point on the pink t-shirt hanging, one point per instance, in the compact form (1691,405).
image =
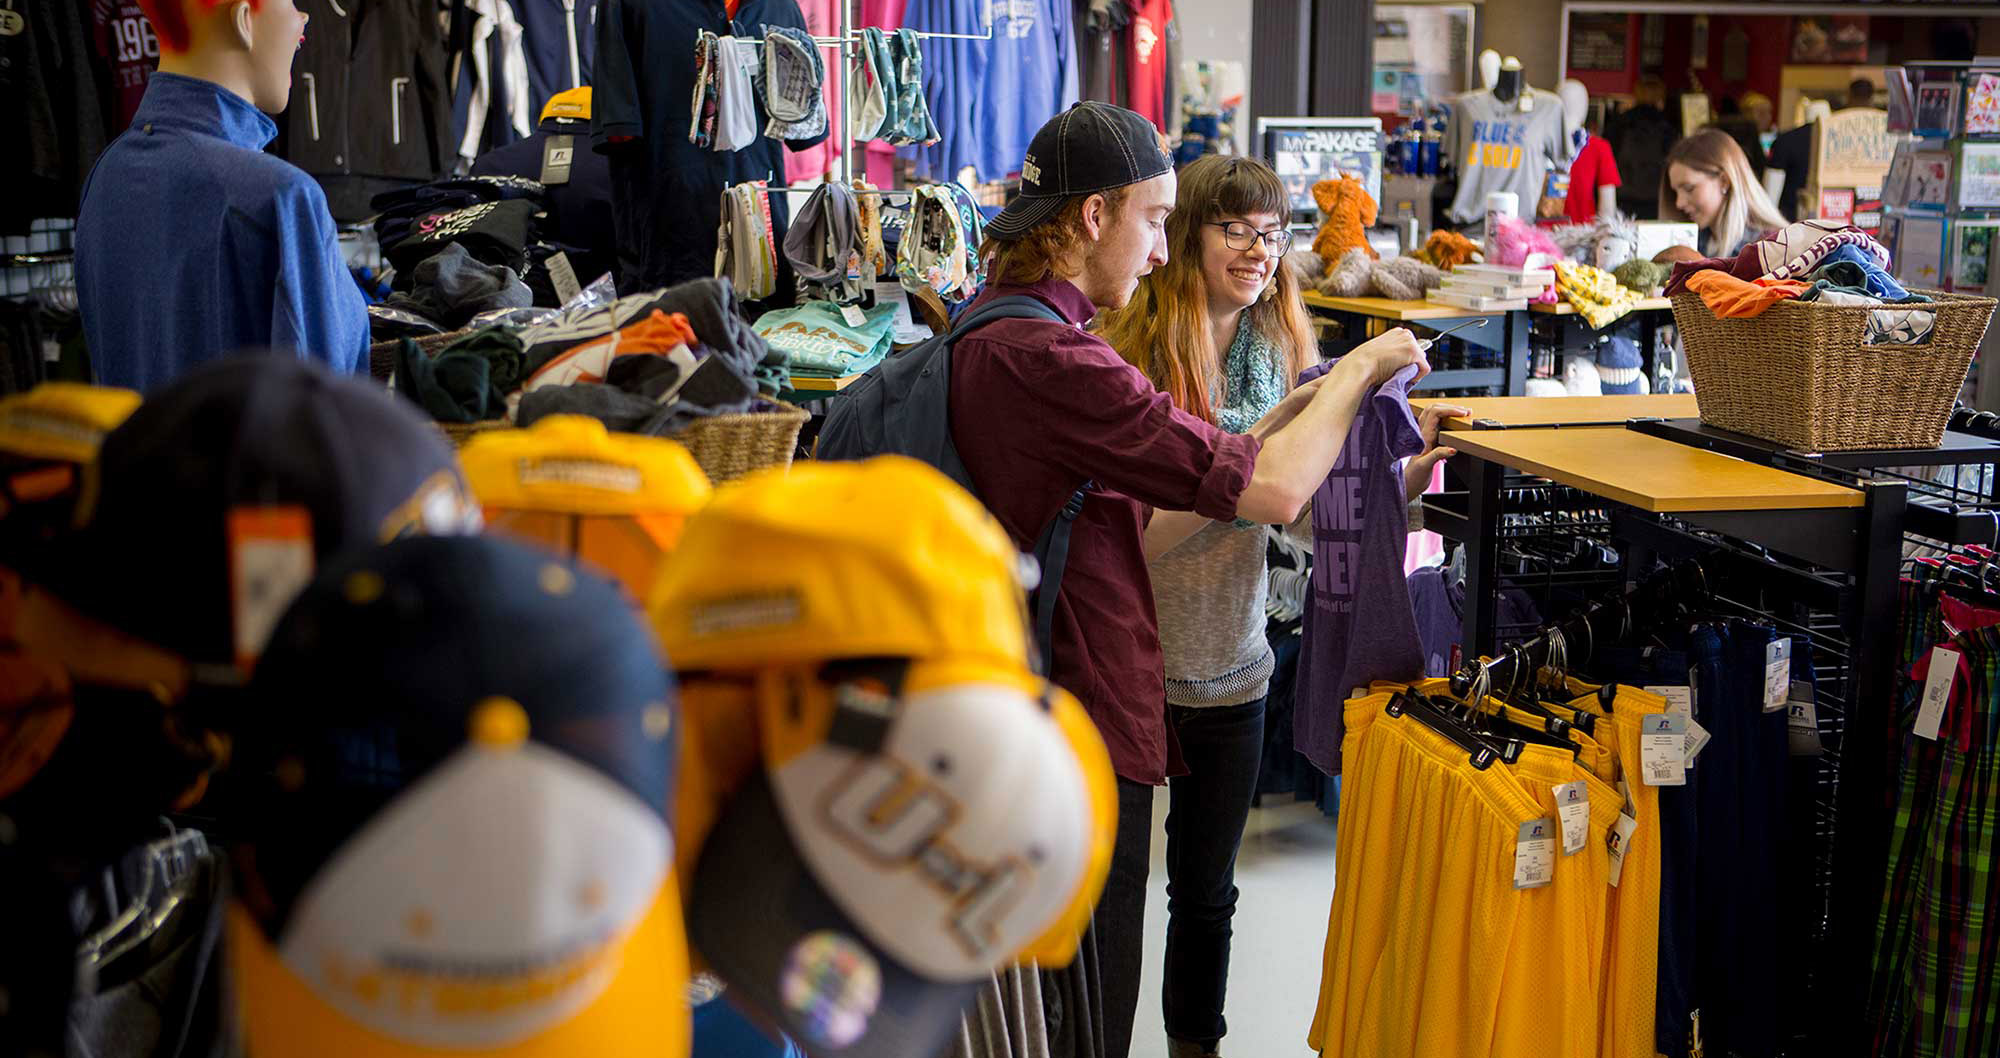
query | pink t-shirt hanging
(822,20)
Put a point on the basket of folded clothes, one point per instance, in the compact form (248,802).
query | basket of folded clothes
(1806,339)
(679,363)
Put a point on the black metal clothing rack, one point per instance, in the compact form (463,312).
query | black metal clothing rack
(1831,574)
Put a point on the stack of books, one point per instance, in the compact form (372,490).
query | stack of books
(1493,288)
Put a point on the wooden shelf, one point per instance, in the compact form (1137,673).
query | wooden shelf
(1564,411)
(1652,473)
(1388,309)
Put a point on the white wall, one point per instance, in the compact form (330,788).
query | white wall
(1217,30)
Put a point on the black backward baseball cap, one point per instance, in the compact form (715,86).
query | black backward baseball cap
(1090,147)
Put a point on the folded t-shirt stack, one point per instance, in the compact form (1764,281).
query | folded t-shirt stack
(1813,260)
(820,341)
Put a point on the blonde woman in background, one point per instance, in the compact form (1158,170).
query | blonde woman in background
(1709,181)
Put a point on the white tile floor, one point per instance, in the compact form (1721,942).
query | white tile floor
(1285,877)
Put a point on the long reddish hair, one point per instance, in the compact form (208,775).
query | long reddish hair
(1164,331)
(170,22)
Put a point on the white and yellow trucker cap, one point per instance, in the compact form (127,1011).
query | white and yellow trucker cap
(458,842)
(916,826)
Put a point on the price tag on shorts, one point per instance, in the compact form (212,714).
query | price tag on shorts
(1802,721)
(1937,691)
(1617,840)
(1777,674)
(1573,809)
(1697,740)
(1679,699)
(1535,854)
(1663,750)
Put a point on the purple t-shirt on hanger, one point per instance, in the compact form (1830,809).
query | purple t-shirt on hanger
(1358,625)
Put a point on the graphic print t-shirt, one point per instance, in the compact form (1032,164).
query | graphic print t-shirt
(1149,59)
(1498,147)
(1358,624)
(125,41)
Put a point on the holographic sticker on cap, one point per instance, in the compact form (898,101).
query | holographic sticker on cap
(831,985)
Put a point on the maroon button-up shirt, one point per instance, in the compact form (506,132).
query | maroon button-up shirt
(1039,408)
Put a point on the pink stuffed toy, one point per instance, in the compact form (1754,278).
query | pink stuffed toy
(1514,241)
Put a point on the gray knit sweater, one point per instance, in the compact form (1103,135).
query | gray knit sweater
(1209,591)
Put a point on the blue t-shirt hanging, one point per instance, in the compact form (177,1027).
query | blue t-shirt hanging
(1359,626)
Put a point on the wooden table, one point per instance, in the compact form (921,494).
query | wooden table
(803,384)
(1504,334)
(1501,413)
(1564,308)
(1390,309)
(1652,473)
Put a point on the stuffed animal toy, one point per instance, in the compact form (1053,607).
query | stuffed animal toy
(1447,250)
(1642,276)
(1307,265)
(1349,212)
(1513,242)
(1606,243)
(1399,278)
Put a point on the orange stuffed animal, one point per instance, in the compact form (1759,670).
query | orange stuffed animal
(1349,212)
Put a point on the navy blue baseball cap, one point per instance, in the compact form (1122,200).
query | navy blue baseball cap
(213,502)
(458,758)
(1090,147)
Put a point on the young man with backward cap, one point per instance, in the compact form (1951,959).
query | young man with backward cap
(1039,408)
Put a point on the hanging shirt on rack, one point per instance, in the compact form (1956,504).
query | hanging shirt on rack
(497,110)
(559,41)
(1151,23)
(990,97)
(666,191)
(128,50)
(192,244)
(53,122)
(1359,626)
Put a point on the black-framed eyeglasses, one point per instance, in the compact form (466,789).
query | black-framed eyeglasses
(1237,236)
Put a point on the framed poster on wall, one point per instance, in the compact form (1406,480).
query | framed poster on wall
(1305,151)
(1597,41)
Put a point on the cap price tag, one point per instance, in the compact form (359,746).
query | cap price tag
(1663,750)
(557,155)
(1802,721)
(1679,699)
(1937,691)
(1777,674)
(1535,854)
(270,562)
(1573,809)
(1617,840)
(1697,740)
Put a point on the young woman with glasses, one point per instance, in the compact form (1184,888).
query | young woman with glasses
(1221,328)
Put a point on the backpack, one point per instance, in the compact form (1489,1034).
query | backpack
(903,408)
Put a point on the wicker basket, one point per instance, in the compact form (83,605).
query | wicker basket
(1801,375)
(730,446)
(382,355)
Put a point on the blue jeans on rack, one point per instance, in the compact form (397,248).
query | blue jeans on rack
(1208,808)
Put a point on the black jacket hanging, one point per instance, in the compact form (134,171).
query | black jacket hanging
(370,108)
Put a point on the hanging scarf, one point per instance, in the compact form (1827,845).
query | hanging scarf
(913,124)
(794,85)
(744,252)
(824,242)
(871,79)
(933,251)
(1254,379)
(701,124)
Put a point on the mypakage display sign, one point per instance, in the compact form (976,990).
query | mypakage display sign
(1305,151)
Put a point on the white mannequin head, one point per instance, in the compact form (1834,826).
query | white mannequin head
(1489,69)
(246,46)
(1576,103)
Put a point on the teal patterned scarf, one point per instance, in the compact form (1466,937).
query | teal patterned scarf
(1253,379)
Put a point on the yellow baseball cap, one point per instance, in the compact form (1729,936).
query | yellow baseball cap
(571,105)
(885,557)
(63,421)
(617,501)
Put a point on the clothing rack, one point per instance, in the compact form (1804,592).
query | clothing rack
(1580,629)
